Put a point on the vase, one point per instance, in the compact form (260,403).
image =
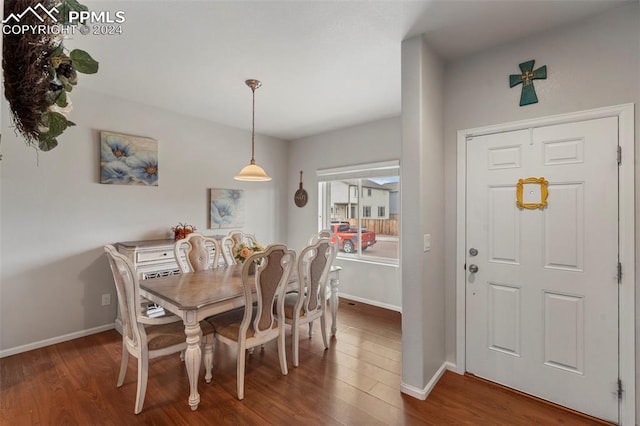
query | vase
(252,268)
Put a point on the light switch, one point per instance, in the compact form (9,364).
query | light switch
(427,242)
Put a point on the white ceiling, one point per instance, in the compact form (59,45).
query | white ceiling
(324,64)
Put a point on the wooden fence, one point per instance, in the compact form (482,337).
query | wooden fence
(380,226)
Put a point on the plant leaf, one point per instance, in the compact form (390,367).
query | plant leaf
(52,96)
(73,4)
(83,62)
(58,51)
(56,123)
(66,83)
(61,101)
(47,143)
(65,7)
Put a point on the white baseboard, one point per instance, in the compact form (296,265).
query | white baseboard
(453,367)
(370,302)
(424,393)
(54,340)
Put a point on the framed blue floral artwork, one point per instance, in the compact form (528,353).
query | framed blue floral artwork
(227,208)
(128,160)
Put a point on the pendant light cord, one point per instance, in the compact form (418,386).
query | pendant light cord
(253,126)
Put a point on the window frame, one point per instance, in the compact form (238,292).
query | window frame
(359,172)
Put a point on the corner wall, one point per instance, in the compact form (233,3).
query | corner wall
(55,215)
(422,181)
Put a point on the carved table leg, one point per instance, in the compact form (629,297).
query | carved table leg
(193,357)
(333,302)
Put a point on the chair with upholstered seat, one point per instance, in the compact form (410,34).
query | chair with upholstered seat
(229,244)
(143,337)
(253,326)
(309,302)
(226,248)
(242,237)
(200,252)
(325,233)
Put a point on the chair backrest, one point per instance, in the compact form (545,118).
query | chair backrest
(272,271)
(200,252)
(240,237)
(325,233)
(314,265)
(129,302)
(226,247)
(230,243)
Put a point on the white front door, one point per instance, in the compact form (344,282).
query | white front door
(542,308)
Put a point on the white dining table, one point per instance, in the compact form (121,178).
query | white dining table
(195,296)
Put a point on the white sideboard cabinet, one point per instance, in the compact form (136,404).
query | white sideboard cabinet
(151,259)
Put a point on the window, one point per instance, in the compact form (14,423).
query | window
(342,194)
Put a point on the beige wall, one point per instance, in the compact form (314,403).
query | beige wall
(367,143)
(55,216)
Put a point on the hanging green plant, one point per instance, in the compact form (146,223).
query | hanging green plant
(39,72)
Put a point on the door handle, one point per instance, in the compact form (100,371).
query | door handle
(473,268)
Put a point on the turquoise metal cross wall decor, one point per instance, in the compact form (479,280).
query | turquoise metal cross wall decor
(528,95)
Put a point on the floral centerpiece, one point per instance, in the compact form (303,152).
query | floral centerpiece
(243,251)
(181,230)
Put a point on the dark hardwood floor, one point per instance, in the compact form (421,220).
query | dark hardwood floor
(355,382)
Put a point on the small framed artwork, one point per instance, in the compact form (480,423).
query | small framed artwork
(128,160)
(226,209)
(532,193)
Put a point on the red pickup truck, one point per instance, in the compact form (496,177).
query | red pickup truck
(348,236)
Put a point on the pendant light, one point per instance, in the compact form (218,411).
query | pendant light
(253,172)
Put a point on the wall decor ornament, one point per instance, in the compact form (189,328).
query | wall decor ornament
(39,72)
(301,197)
(528,93)
(226,209)
(128,160)
(535,188)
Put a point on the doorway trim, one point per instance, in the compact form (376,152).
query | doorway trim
(626,212)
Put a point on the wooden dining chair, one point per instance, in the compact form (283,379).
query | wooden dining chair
(147,338)
(196,252)
(253,326)
(227,250)
(242,237)
(310,301)
(230,243)
(325,233)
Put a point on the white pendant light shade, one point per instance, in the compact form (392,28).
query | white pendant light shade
(252,172)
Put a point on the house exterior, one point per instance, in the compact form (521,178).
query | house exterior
(374,201)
